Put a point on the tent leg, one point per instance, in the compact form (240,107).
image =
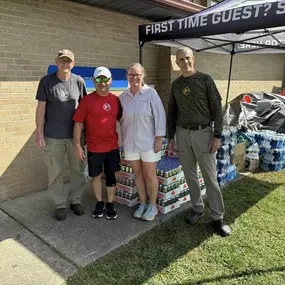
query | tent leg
(230,74)
(141,47)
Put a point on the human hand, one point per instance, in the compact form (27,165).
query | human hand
(79,152)
(171,144)
(215,144)
(157,144)
(40,140)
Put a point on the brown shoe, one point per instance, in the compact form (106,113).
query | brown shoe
(77,209)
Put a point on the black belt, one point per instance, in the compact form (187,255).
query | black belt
(195,128)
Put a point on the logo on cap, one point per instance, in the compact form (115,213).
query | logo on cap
(65,53)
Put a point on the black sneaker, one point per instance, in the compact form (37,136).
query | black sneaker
(77,209)
(221,228)
(111,212)
(60,214)
(99,209)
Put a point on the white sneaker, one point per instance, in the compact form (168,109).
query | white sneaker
(140,211)
(150,213)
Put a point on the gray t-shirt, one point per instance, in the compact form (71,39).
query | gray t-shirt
(62,99)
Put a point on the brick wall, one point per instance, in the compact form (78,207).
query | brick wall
(32,31)
(164,74)
(250,73)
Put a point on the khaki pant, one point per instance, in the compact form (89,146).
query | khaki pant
(193,147)
(55,151)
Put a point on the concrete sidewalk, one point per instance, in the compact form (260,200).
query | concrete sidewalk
(37,249)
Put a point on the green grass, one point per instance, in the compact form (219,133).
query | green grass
(178,254)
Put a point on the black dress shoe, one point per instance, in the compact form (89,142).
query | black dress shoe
(77,209)
(60,214)
(194,217)
(221,228)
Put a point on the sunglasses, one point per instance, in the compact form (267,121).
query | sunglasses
(99,79)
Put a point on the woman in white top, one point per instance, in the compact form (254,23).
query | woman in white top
(143,126)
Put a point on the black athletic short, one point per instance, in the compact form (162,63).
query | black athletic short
(110,160)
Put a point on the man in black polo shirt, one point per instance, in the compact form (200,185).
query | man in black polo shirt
(195,116)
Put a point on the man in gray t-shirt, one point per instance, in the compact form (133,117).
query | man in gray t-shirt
(58,96)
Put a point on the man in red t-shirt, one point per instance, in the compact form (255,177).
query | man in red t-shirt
(98,113)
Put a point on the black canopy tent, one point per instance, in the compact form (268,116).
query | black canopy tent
(229,27)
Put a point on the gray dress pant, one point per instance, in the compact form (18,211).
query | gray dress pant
(194,146)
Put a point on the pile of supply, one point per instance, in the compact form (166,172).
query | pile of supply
(226,171)
(271,146)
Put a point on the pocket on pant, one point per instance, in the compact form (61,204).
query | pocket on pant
(205,138)
(48,158)
(180,140)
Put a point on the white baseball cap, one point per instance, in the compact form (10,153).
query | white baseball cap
(101,70)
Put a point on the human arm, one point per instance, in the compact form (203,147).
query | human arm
(81,87)
(171,119)
(40,117)
(215,104)
(79,119)
(159,121)
(77,130)
(120,112)
(41,96)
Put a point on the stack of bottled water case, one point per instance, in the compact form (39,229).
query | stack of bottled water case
(271,149)
(225,170)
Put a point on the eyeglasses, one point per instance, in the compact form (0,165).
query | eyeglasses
(63,61)
(133,75)
(99,79)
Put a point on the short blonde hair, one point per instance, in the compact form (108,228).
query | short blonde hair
(185,50)
(138,65)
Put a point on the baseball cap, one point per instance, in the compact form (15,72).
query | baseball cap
(101,70)
(65,53)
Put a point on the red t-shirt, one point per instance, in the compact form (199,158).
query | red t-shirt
(99,115)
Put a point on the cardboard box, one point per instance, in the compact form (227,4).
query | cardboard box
(129,203)
(127,175)
(125,162)
(239,156)
(184,199)
(163,152)
(126,188)
(169,194)
(172,153)
(183,186)
(167,209)
(169,180)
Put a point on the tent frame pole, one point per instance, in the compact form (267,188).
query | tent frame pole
(230,74)
(141,52)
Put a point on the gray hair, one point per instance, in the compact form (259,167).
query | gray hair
(185,50)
